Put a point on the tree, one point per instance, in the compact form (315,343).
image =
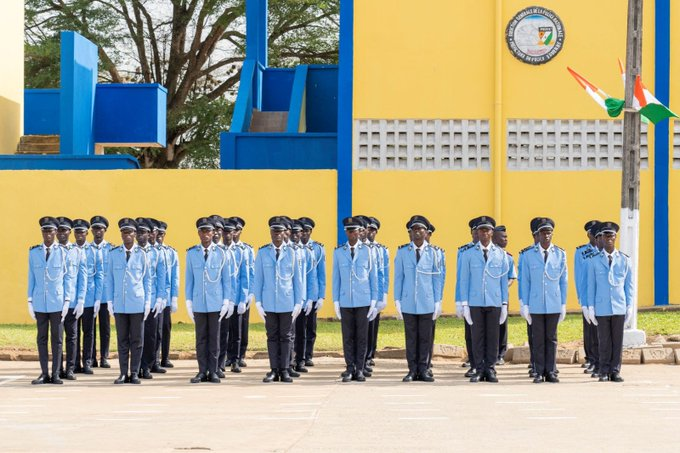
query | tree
(194,48)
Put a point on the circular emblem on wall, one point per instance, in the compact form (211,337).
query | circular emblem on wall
(535,35)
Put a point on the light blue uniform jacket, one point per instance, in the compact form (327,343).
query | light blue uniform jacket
(77,267)
(103,250)
(240,258)
(319,264)
(543,285)
(95,275)
(209,282)
(460,251)
(484,284)
(355,281)
(127,284)
(583,252)
(172,272)
(278,283)
(48,281)
(418,285)
(158,271)
(610,289)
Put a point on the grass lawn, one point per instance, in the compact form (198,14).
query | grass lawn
(449,331)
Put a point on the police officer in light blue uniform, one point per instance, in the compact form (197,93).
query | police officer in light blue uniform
(484,297)
(418,275)
(543,294)
(459,308)
(210,295)
(164,296)
(49,285)
(99,225)
(318,262)
(581,256)
(500,238)
(442,259)
(610,298)
(533,226)
(367,236)
(311,283)
(95,284)
(249,256)
(355,295)
(279,296)
(127,291)
(172,293)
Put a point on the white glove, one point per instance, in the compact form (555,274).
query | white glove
(97,306)
(260,310)
(227,309)
(563,314)
(158,308)
(297,309)
(381,305)
(147,309)
(309,307)
(110,307)
(459,310)
(31,311)
(586,316)
(250,300)
(174,305)
(372,311)
(629,314)
(190,309)
(80,309)
(504,314)
(165,304)
(397,304)
(337,310)
(467,315)
(524,310)
(591,315)
(319,304)
(241,308)
(437,310)
(64,310)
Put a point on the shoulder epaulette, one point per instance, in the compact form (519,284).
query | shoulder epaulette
(509,254)
(581,246)
(559,248)
(114,248)
(402,246)
(192,247)
(339,246)
(624,254)
(465,247)
(247,245)
(264,246)
(320,244)
(35,247)
(525,249)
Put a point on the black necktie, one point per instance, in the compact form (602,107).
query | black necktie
(127,255)
(47,256)
(610,260)
(485,254)
(417,255)
(545,256)
(205,255)
(278,252)
(351,252)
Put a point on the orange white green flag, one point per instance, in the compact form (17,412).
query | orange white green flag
(612,106)
(649,107)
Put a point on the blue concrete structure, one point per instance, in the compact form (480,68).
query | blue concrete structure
(66,162)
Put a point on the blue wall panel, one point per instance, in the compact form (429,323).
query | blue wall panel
(322,99)
(78,80)
(277,85)
(41,112)
(39,162)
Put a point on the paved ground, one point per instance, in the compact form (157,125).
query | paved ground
(318,413)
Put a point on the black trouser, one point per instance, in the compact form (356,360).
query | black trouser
(531,346)
(71,331)
(354,325)
(207,341)
(49,322)
(372,337)
(418,332)
(484,331)
(86,323)
(610,336)
(165,336)
(434,330)
(159,338)
(594,346)
(503,339)
(544,333)
(279,328)
(234,341)
(587,341)
(130,335)
(224,342)
(149,348)
(301,337)
(468,344)
(245,323)
(310,335)
(104,333)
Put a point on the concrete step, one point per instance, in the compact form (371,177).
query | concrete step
(38,144)
(268,121)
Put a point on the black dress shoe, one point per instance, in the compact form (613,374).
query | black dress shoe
(347,372)
(425,377)
(167,364)
(134,379)
(538,379)
(585,365)
(359,376)
(242,363)
(62,374)
(87,370)
(347,377)
(157,369)
(104,364)
(309,363)
(465,364)
(367,373)
(490,376)
(429,372)
(292,373)
(471,372)
(200,377)
(557,371)
(220,373)
(300,368)
(235,368)
(500,361)
(477,377)
(70,376)
(595,375)
(589,370)
(615,377)
(534,375)
(604,378)
(371,362)
(146,374)
(552,378)
(410,377)
(122,379)
(78,369)
(94,364)
(285,376)
(56,380)
(214,379)
(269,377)
(368,368)
(42,379)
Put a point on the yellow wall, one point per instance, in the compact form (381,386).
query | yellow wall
(11,81)
(178,197)
(438,61)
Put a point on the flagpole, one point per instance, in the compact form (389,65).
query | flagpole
(630,182)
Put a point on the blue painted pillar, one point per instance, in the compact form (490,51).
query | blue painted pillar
(662,56)
(256,31)
(79,62)
(345,113)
